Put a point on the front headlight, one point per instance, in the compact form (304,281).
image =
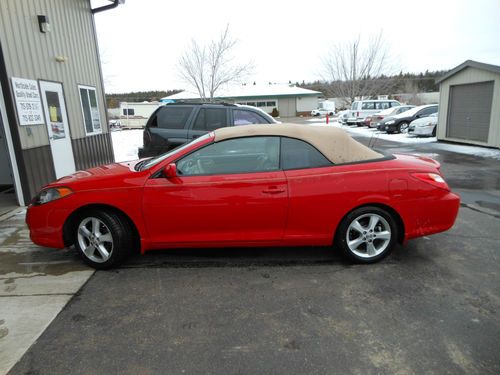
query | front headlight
(51,194)
(390,122)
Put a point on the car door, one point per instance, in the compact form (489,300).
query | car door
(168,127)
(311,189)
(207,120)
(227,192)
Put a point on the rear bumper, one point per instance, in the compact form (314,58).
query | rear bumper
(431,216)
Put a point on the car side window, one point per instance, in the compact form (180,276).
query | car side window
(242,117)
(173,117)
(382,105)
(368,105)
(427,111)
(210,119)
(297,154)
(239,155)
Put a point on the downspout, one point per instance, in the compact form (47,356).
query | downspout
(107,7)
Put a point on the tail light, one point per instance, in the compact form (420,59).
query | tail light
(433,179)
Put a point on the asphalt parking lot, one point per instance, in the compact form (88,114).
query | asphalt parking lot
(431,307)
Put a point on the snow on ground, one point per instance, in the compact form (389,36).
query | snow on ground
(405,138)
(125,144)
(370,132)
(483,152)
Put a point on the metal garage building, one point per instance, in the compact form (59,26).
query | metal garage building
(470,104)
(52,110)
(289,100)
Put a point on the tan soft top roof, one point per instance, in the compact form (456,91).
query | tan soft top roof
(332,142)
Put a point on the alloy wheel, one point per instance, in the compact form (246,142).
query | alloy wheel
(95,239)
(368,235)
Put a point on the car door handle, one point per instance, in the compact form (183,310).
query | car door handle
(273,191)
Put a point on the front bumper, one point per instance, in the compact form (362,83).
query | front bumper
(385,127)
(46,223)
(420,130)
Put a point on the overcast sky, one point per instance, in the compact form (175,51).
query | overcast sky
(141,41)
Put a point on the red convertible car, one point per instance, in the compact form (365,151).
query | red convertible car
(255,185)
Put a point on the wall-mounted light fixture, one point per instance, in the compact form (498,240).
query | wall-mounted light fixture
(43,23)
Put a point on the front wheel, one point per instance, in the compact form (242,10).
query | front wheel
(103,239)
(403,127)
(367,235)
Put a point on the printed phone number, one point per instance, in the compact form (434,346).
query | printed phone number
(32,118)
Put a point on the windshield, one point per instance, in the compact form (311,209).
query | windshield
(410,112)
(157,159)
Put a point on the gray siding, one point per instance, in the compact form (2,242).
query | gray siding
(30,54)
(39,168)
(91,151)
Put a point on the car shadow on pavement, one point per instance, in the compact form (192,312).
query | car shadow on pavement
(243,257)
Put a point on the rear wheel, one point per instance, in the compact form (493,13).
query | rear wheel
(103,239)
(367,235)
(434,131)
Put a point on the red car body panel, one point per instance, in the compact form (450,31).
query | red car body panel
(286,208)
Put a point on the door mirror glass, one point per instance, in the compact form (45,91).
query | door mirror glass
(170,170)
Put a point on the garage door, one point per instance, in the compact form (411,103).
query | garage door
(287,107)
(469,111)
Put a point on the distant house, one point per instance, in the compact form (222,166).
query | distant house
(289,100)
(469,101)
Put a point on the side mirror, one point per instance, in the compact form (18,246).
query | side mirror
(170,170)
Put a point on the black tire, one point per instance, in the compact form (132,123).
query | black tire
(434,131)
(361,215)
(402,126)
(120,234)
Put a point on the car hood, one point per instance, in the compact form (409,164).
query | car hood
(386,119)
(104,176)
(424,120)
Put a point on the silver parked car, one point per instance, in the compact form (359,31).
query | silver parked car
(425,126)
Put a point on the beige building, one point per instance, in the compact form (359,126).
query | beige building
(289,100)
(53,117)
(469,104)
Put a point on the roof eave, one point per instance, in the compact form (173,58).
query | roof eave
(469,64)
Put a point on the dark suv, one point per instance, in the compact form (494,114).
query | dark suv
(174,124)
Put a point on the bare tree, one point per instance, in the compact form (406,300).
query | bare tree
(209,67)
(356,70)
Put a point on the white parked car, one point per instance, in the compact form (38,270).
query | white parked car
(361,109)
(342,116)
(424,126)
(322,112)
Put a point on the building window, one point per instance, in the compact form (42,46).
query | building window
(90,110)
(128,112)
